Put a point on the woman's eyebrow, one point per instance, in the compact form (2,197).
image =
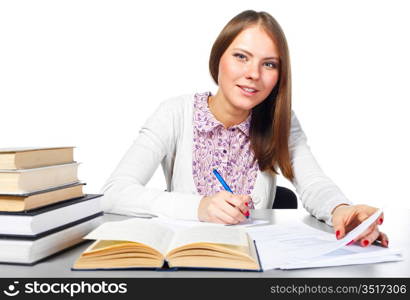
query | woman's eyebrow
(250,54)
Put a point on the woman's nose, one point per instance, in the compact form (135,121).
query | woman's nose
(252,71)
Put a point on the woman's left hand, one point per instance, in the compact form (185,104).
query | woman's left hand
(347,217)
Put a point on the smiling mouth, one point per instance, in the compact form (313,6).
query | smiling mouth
(247,90)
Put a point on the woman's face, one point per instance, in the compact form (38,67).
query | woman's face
(249,68)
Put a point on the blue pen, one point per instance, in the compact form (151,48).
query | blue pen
(222,181)
(224,184)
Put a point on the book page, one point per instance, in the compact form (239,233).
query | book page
(282,243)
(210,234)
(301,237)
(137,230)
(279,243)
(347,255)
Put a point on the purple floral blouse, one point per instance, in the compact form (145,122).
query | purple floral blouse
(226,149)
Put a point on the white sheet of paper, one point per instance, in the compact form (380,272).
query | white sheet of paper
(296,245)
(180,224)
(348,255)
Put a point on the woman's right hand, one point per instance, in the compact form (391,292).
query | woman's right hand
(224,207)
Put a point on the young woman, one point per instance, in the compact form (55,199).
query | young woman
(246,131)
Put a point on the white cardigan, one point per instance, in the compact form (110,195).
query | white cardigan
(167,138)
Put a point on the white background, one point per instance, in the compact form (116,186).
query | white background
(89,73)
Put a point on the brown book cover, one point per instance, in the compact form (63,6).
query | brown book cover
(30,180)
(34,157)
(41,198)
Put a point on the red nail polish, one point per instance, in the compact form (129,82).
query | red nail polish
(380,221)
(247,214)
(349,243)
(365,243)
(337,234)
(246,203)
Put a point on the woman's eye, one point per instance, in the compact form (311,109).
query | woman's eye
(240,56)
(271,65)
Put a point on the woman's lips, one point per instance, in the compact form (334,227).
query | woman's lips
(247,91)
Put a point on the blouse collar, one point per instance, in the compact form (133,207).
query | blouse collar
(205,121)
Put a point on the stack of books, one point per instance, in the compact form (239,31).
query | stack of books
(43,209)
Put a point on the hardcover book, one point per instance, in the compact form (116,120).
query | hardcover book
(34,157)
(30,250)
(37,221)
(146,244)
(42,198)
(30,180)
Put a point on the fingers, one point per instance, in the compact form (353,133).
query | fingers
(240,201)
(223,218)
(345,219)
(348,217)
(370,238)
(339,229)
(375,235)
(368,231)
(384,240)
(216,214)
(380,219)
(224,208)
(372,229)
(339,226)
(232,213)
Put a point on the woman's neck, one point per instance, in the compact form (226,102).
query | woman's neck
(224,112)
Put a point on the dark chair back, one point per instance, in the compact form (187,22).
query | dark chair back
(285,198)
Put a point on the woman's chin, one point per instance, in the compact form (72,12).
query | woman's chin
(246,103)
(244,106)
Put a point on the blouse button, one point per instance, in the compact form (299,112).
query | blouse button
(224,151)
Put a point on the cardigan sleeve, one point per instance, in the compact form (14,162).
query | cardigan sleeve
(125,191)
(318,193)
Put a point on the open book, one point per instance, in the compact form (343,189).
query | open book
(141,243)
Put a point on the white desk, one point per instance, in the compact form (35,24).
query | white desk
(397,226)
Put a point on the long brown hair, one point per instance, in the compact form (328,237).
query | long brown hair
(270,124)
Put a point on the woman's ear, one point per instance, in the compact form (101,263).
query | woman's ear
(219,73)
